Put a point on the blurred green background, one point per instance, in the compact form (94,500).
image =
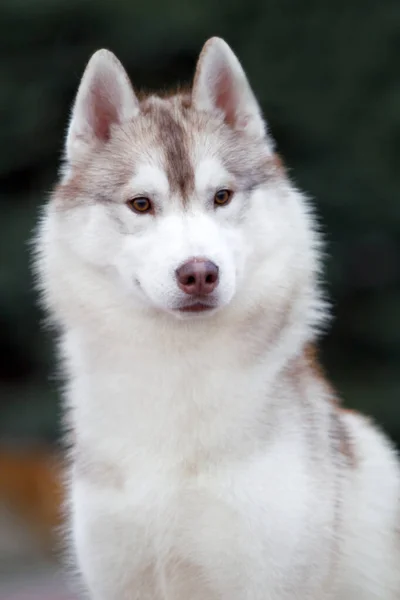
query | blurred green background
(327,75)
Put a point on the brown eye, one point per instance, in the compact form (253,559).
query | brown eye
(140,205)
(222,197)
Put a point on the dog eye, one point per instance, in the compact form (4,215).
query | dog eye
(140,205)
(222,197)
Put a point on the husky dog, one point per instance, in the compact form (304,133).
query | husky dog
(210,459)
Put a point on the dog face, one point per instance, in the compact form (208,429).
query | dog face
(179,201)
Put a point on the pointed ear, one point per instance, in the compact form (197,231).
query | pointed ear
(221,84)
(105,97)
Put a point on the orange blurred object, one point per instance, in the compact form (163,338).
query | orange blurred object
(31,491)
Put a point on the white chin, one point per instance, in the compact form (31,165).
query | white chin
(200,314)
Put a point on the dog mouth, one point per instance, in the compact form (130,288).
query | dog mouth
(197,307)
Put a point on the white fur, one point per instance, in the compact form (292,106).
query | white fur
(203,465)
(106,73)
(222,75)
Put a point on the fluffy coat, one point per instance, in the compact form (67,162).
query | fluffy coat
(210,459)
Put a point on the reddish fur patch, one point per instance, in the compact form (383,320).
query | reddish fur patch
(346,446)
(173,141)
(179,167)
(311,357)
(278,163)
(225,99)
(103,113)
(66,193)
(308,365)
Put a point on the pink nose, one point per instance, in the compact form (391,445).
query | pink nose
(197,277)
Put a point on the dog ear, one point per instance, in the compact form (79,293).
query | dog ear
(105,98)
(220,84)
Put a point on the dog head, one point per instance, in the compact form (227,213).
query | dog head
(179,203)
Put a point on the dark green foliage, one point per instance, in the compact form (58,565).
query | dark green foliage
(327,76)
